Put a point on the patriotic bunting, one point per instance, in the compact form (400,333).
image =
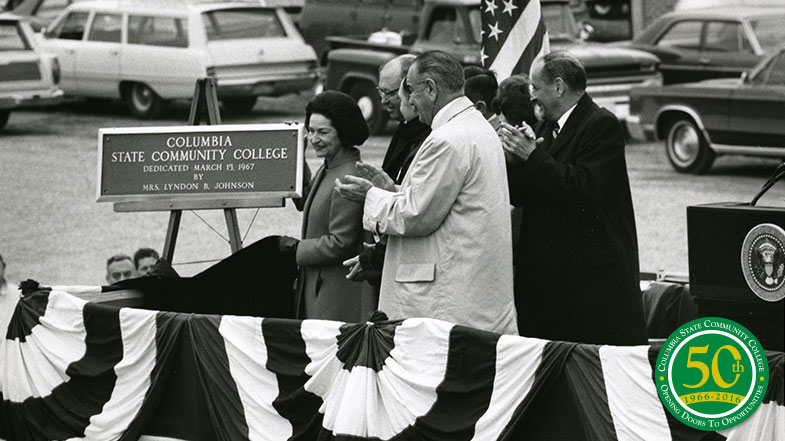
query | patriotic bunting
(70,369)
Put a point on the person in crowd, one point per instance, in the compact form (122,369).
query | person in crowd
(449,254)
(513,105)
(332,226)
(405,142)
(145,259)
(119,267)
(481,87)
(577,275)
(9,296)
(513,101)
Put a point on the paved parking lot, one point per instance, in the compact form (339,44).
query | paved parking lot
(51,228)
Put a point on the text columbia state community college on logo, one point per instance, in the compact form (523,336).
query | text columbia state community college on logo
(711,373)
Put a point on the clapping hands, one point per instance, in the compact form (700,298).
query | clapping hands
(378,177)
(355,188)
(518,142)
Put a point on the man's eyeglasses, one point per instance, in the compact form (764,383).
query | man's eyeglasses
(386,93)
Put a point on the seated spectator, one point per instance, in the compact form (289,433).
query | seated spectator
(144,260)
(480,88)
(119,267)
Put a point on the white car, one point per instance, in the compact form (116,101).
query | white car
(148,53)
(28,77)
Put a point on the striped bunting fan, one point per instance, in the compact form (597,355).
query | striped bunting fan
(71,369)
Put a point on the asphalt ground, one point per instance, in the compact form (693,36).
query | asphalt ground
(53,230)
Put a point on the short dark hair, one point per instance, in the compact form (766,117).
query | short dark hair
(566,66)
(514,100)
(118,258)
(441,67)
(344,115)
(142,253)
(480,84)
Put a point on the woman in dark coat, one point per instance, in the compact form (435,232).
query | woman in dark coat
(332,226)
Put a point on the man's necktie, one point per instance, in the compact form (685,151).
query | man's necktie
(555,130)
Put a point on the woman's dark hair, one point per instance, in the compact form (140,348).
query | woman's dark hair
(514,100)
(343,113)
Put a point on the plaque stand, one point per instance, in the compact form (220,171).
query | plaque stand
(203,107)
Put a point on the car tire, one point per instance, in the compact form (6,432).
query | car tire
(143,102)
(687,148)
(370,106)
(4,114)
(239,105)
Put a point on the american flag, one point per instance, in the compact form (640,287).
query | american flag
(513,35)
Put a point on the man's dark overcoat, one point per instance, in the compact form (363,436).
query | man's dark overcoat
(576,269)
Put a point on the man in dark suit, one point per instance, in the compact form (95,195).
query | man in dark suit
(576,272)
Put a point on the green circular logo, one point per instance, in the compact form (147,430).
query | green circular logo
(711,373)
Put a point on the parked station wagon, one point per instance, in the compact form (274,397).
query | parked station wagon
(148,53)
(699,121)
(28,77)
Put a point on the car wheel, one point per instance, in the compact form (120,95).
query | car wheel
(143,102)
(688,151)
(4,114)
(371,106)
(239,105)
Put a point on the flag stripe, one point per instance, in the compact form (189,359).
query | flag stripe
(537,47)
(257,386)
(516,365)
(65,412)
(26,316)
(585,376)
(522,32)
(287,358)
(137,333)
(212,368)
(678,430)
(630,374)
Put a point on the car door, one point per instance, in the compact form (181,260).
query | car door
(726,51)
(64,39)
(97,61)
(679,50)
(758,109)
(157,55)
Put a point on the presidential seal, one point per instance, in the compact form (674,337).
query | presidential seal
(763,261)
(711,373)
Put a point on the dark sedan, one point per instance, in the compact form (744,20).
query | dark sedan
(696,45)
(699,121)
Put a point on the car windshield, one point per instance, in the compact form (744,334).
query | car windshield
(11,39)
(769,31)
(241,23)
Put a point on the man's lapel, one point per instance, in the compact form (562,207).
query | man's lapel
(570,127)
